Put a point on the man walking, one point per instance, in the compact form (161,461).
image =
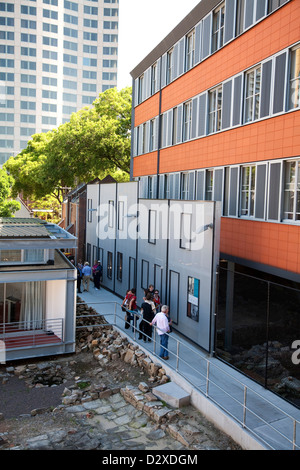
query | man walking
(162,323)
(86,276)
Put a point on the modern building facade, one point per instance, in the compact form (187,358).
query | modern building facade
(55,58)
(216,117)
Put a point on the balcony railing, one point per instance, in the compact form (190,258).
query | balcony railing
(28,334)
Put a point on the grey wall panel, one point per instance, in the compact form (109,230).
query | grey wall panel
(233,201)
(163,71)
(218,185)
(249,13)
(181,64)
(179,123)
(200,185)
(175,61)
(195,113)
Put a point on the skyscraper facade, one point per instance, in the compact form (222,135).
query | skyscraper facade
(56,56)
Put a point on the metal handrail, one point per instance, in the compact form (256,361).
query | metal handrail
(208,380)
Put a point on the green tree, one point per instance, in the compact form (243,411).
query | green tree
(7,205)
(95,142)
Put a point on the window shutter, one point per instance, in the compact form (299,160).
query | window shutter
(147,137)
(202,115)
(200,185)
(249,13)
(261,9)
(233,192)
(156,133)
(158,76)
(154,187)
(274,191)
(206,36)
(179,123)
(226,104)
(237,99)
(265,89)
(229,20)
(181,63)
(135,142)
(279,85)
(136,92)
(175,61)
(163,70)
(191,189)
(143,186)
(218,185)
(198,30)
(164,130)
(161,186)
(169,128)
(260,193)
(194,117)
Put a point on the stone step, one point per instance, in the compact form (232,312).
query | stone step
(172,394)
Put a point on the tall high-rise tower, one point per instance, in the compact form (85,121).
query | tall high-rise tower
(56,56)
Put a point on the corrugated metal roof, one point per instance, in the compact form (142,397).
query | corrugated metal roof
(11,227)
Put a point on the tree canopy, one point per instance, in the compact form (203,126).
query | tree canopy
(7,205)
(95,142)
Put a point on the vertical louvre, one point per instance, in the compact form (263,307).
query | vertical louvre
(147,137)
(206,37)
(163,70)
(237,98)
(179,123)
(261,173)
(249,13)
(158,76)
(175,61)
(266,89)
(181,64)
(274,191)
(202,115)
(169,128)
(140,140)
(143,187)
(136,92)
(229,20)
(135,142)
(233,192)
(161,186)
(200,185)
(154,192)
(191,190)
(198,43)
(218,184)
(176,186)
(279,85)
(156,133)
(164,130)
(260,9)
(194,117)
(226,104)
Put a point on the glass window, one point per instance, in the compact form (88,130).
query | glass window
(252,95)
(169,66)
(190,50)
(218,28)
(292,191)
(295,79)
(184,186)
(209,180)
(109,264)
(215,109)
(273,4)
(187,125)
(248,190)
(119,266)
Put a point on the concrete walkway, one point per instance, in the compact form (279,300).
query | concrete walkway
(266,422)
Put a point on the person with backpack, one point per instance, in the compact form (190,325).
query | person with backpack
(148,313)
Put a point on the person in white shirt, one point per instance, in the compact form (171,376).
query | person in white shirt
(163,328)
(86,276)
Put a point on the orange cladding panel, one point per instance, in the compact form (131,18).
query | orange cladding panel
(147,110)
(262,242)
(145,165)
(278,31)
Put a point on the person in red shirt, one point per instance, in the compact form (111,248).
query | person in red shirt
(132,307)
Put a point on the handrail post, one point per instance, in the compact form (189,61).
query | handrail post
(177,356)
(244,410)
(207,377)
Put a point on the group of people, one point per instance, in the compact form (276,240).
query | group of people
(85,273)
(151,313)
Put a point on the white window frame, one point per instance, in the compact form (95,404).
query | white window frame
(248,191)
(252,94)
(294,81)
(293,186)
(215,109)
(187,120)
(218,27)
(190,50)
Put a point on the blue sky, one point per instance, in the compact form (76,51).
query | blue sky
(149,21)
